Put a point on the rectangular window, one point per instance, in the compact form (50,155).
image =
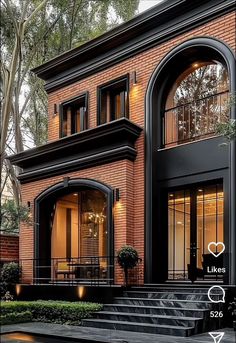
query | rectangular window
(73,116)
(113,100)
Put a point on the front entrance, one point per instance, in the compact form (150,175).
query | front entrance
(195,218)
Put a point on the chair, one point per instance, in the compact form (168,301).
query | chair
(62,268)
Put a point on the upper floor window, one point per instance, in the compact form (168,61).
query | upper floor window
(73,116)
(113,100)
(196,102)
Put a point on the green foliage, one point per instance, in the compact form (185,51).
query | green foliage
(10,273)
(127,257)
(12,215)
(7,296)
(232,309)
(61,312)
(227,129)
(14,318)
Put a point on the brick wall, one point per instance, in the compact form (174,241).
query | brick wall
(125,175)
(9,248)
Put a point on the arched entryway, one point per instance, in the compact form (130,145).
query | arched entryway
(181,163)
(74,232)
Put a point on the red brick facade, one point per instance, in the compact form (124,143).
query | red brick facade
(126,175)
(9,248)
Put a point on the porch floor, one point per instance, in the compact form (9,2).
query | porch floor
(107,336)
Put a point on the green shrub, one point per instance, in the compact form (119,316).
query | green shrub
(10,273)
(127,258)
(14,318)
(52,311)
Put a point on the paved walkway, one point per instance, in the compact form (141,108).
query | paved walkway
(108,336)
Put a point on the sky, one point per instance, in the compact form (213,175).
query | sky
(146,4)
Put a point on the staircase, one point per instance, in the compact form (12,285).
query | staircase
(167,310)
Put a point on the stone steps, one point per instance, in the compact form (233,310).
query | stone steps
(150,319)
(157,310)
(196,304)
(140,327)
(172,311)
(165,295)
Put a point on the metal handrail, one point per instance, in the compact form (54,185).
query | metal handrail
(89,270)
(188,125)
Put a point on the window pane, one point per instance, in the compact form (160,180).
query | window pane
(178,234)
(113,102)
(104,105)
(199,97)
(79,232)
(74,118)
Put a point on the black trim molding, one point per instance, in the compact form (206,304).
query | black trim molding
(153,27)
(104,144)
(175,162)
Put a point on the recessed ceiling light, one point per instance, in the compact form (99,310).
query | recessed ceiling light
(75,194)
(200,190)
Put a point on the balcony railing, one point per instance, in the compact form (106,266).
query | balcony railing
(194,120)
(91,270)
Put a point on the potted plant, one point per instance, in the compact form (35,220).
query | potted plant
(127,258)
(232,309)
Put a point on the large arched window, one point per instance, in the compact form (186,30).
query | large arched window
(196,102)
(74,232)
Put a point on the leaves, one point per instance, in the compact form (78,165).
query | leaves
(32,32)
(12,215)
(127,257)
(227,128)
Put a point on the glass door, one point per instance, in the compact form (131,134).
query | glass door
(195,218)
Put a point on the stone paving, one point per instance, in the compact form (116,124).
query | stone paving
(107,336)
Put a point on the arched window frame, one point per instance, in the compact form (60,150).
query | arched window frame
(182,122)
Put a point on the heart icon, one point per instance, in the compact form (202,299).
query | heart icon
(212,246)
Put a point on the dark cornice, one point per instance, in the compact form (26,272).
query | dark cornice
(153,27)
(106,143)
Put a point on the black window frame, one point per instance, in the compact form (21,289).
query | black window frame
(111,86)
(83,119)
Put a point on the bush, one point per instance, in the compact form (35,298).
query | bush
(10,273)
(127,258)
(14,318)
(60,312)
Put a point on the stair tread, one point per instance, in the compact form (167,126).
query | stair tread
(161,307)
(148,315)
(138,323)
(165,299)
(164,292)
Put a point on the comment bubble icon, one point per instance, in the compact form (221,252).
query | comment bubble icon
(216,294)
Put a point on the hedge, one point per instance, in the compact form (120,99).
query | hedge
(61,312)
(15,318)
